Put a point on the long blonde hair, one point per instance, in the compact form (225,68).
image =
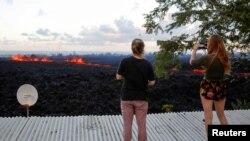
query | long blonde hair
(216,47)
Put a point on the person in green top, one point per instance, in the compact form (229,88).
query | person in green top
(212,88)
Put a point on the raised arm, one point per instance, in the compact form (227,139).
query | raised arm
(193,55)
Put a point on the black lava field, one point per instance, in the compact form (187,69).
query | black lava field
(70,89)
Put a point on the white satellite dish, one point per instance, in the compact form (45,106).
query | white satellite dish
(27,96)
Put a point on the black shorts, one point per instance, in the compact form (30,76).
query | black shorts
(213,89)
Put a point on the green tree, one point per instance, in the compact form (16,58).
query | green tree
(228,18)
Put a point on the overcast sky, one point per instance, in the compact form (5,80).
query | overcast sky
(75,25)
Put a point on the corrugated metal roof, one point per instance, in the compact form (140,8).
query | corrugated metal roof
(182,126)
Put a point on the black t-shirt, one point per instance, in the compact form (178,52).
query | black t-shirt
(136,73)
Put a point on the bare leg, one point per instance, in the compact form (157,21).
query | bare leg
(208,111)
(220,107)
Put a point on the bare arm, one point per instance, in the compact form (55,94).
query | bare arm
(151,83)
(193,55)
(119,77)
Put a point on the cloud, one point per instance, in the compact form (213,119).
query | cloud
(136,6)
(25,34)
(46,32)
(55,34)
(5,41)
(43,32)
(106,29)
(41,12)
(9,1)
(125,26)
(122,31)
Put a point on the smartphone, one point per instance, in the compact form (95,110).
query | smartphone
(202,46)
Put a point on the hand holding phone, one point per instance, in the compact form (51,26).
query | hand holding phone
(202,46)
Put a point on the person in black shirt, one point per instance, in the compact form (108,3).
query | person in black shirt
(137,74)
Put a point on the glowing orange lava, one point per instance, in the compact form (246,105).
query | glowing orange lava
(45,59)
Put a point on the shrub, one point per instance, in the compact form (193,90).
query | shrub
(240,105)
(167,107)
